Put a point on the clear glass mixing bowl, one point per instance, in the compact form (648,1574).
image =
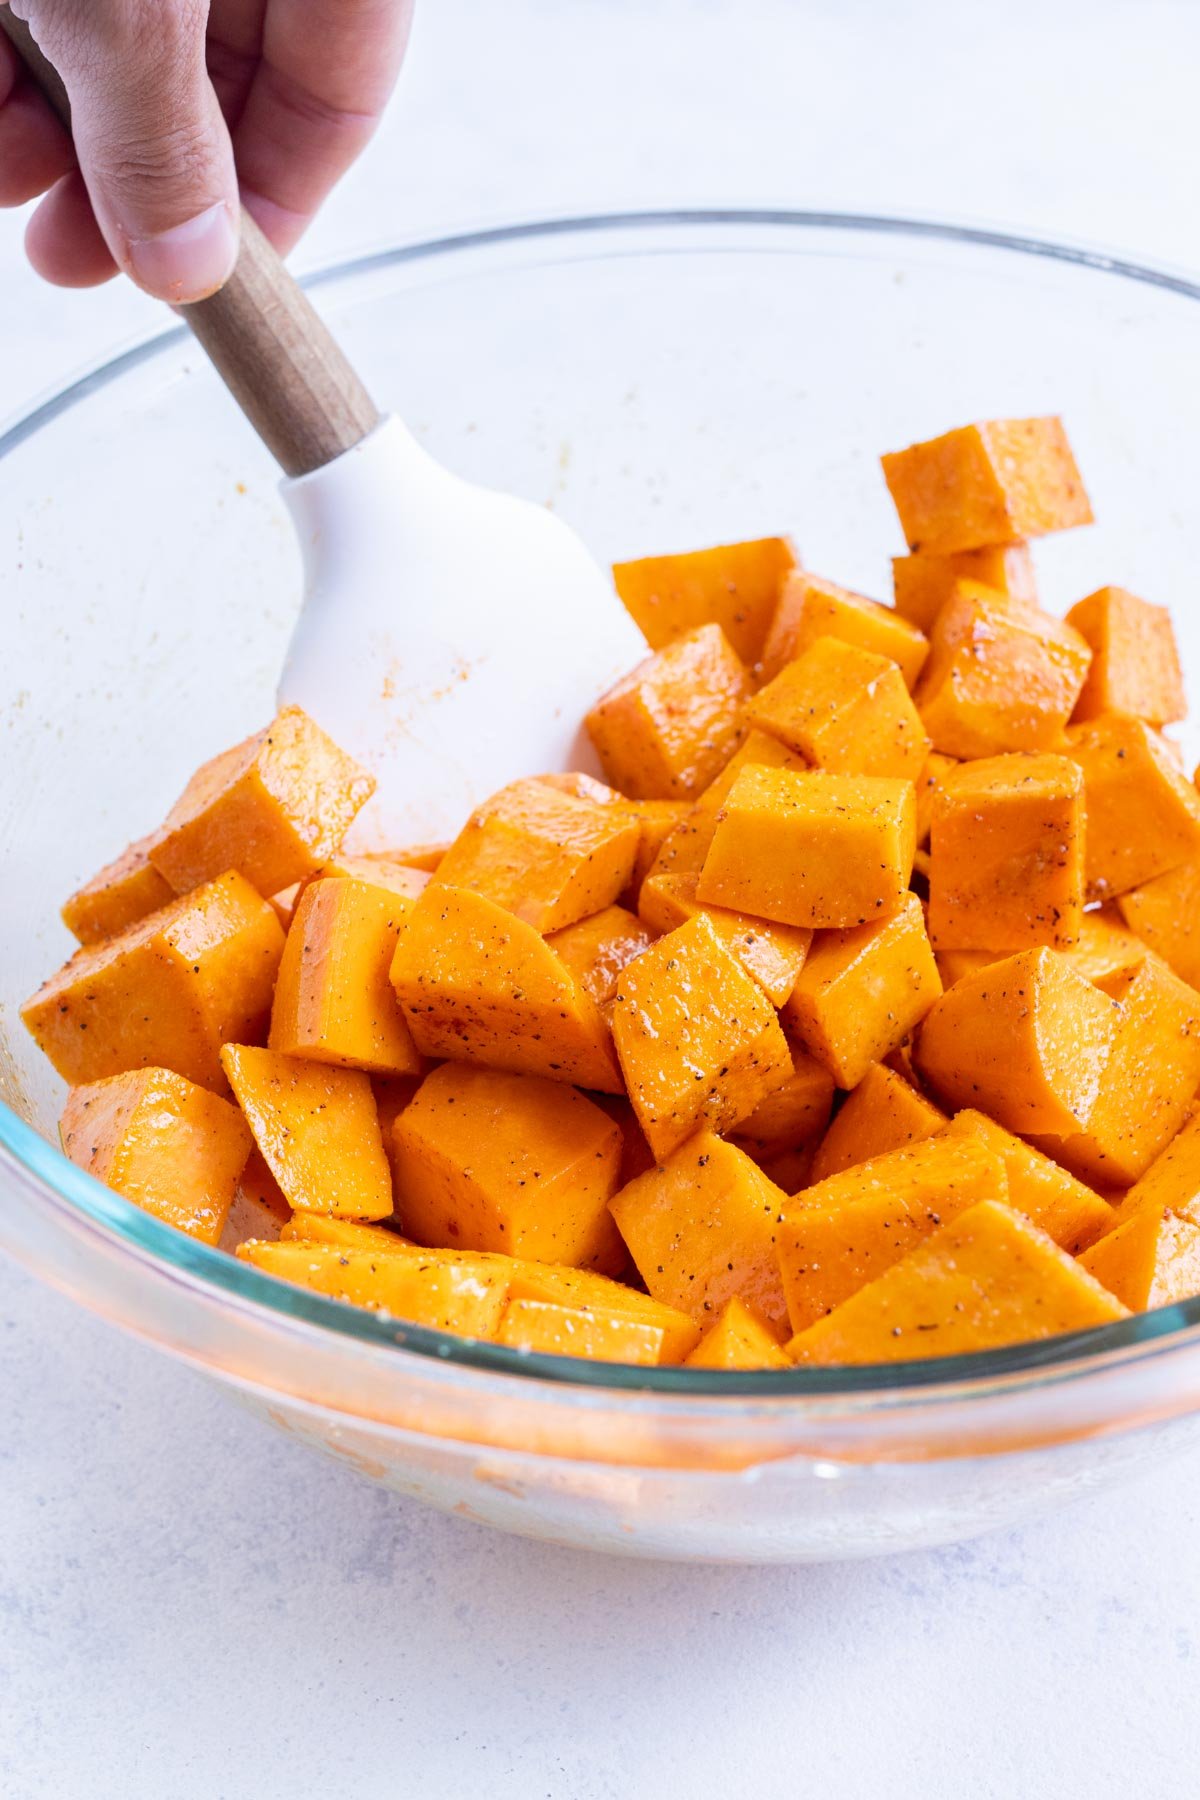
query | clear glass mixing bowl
(663,380)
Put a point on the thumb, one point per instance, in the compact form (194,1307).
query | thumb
(152,144)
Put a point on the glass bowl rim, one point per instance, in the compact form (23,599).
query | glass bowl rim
(24,1151)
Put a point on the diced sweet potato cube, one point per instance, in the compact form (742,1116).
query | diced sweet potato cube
(477,984)
(1150,1258)
(275,808)
(1149,1081)
(318,1129)
(1025,1040)
(1102,948)
(543,855)
(884,1113)
(487,1160)
(466,1294)
(988,1278)
(334,1000)
(584,1290)
(1007,854)
(843,1232)
(1143,815)
(810,608)
(862,990)
(684,848)
(1000,676)
(123,892)
(699,1043)
(1165,914)
(665,730)
(929,783)
(552,1330)
(171,1147)
(704,1227)
(923,583)
(377,871)
(1135,660)
(1073,1215)
(351,1234)
(1173,1178)
(597,948)
(735,586)
(795,1114)
(987,484)
(165,993)
(738,1340)
(821,851)
(773,954)
(845,710)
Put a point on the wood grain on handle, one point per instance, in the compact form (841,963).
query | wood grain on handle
(275,355)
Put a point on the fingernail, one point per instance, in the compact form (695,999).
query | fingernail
(189,262)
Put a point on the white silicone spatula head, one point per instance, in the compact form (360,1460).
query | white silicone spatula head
(451,637)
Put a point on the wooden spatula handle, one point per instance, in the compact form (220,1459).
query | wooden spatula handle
(275,355)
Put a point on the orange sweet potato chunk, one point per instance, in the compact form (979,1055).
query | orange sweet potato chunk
(1103,948)
(123,892)
(1000,676)
(543,855)
(377,870)
(844,710)
(862,991)
(846,1230)
(986,484)
(583,1290)
(667,729)
(810,608)
(1007,854)
(988,1278)
(1150,1258)
(487,1160)
(317,1128)
(883,1113)
(275,808)
(1026,1040)
(793,1116)
(476,984)
(351,1234)
(1165,915)
(703,1228)
(552,1330)
(1143,815)
(738,1340)
(167,992)
(735,586)
(699,1044)
(597,948)
(1135,659)
(464,1294)
(1072,1214)
(1173,1178)
(684,848)
(821,851)
(923,583)
(773,954)
(171,1147)
(334,1000)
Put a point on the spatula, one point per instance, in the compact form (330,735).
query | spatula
(451,637)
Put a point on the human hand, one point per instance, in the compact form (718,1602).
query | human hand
(175,104)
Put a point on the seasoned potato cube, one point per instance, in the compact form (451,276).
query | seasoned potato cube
(987,484)
(738,1340)
(123,892)
(171,1147)
(487,1160)
(1165,914)
(1072,1214)
(845,710)
(883,1113)
(583,1290)
(1135,660)
(1143,815)
(459,1293)
(923,583)
(810,608)
(1173,1178)
(376,869)
(684,848)
(543,855)
(988,1278)
(596,949)
(794,1115)
(703,1228)
(351,1234)
(1007,854)
(773,954)
(821,851)
(317,1128)
(552,1330)
(165,993)
(735,586)
(1000,676)
(668,728)
(861,992)
(275,808)
(1026,1040)
(1150,1258)
(699,1043)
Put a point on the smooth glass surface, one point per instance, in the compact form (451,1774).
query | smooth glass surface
(663,381)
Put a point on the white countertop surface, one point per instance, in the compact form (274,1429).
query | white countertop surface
(193,1607)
